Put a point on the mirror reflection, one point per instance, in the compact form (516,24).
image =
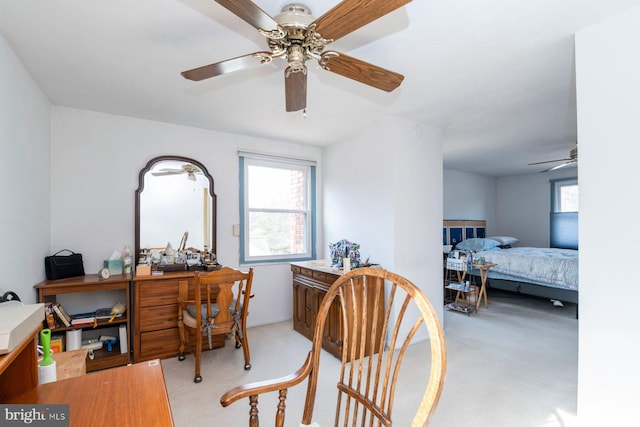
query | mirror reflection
(175,207)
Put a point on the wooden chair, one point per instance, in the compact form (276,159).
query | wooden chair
(223,297)
(366,384)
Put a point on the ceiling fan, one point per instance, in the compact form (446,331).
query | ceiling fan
(296,36)
(571,160)
(190,170)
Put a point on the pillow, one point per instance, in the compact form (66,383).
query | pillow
(505,240)
(477,244)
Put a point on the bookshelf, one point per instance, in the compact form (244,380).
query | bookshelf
(49,290)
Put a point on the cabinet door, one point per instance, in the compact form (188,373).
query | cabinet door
(332,334)
(303,308)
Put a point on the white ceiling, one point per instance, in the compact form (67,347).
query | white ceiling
(497,75)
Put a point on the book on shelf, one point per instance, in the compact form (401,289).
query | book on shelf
(87,318)
(64,317)
(103,313)
(64,312)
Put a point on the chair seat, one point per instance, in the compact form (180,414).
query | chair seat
(189,315)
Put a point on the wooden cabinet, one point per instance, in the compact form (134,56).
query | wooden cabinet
(49,290)
(311,280)
(155,320)
(19,368)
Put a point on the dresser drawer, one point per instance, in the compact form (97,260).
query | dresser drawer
(159,344)
(306,272)
(319,275)
(156,293)
(160,317)
(166,343)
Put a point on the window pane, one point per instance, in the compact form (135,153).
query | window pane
(276,233)
(568,198)
(275,188)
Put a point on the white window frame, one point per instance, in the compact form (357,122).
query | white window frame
(308,169)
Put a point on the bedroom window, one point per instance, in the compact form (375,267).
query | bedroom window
(277,208)
(565,195)
(563,223)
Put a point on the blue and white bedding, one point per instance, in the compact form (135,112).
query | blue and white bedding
(543,266)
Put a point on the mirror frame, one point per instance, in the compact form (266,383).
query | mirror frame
(141,176)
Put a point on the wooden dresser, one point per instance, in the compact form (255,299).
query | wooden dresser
(155,321)
(311,280)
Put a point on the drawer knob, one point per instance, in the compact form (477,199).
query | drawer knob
(308,307)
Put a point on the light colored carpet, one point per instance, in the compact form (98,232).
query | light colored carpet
(513,365)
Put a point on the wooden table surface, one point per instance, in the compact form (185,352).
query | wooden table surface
(127,396)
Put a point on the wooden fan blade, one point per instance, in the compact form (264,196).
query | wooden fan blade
(250,13)
(295,89)
(349,15)
(548,161)
(361,71)
(227,66)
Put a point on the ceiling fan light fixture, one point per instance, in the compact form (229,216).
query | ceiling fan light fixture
(294,15)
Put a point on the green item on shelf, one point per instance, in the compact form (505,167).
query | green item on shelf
(45,339)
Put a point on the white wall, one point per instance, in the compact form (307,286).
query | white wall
(470,196)
(24,178)
(383,190)
(608,88)
(523,206)
(95,160)
(357,191)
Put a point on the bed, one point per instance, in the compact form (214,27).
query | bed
(544,272)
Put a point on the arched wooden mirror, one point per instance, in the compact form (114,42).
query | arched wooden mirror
(174,199)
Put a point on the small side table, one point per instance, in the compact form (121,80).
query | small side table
(484,272)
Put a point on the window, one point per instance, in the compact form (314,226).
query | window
(277,207)
(564,214)
(565,195)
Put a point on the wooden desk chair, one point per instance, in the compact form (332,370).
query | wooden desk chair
(223,297)
(366,384)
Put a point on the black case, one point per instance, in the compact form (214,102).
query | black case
(62,266)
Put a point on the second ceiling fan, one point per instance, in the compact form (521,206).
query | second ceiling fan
(568,161)
(296,36)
